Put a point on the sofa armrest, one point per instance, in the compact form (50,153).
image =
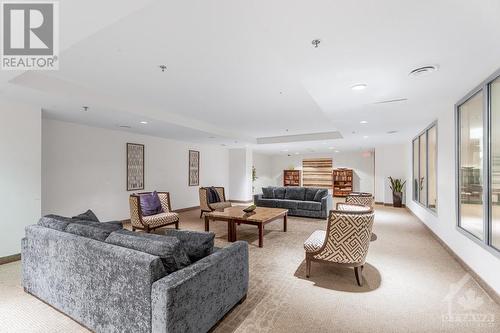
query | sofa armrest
(327,203)
(195,298)
(256,198)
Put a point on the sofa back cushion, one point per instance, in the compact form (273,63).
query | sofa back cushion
(279,192)
(55,222)
(320,195)
(295,193)
(87,216)
(169,249)
(310,193)
(196,244)
(95,230)
(268,192)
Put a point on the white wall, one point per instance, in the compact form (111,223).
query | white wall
(20,153)
(362,164)
(85,167)
(390,160)
(264,170)
(443,224)
(240,174)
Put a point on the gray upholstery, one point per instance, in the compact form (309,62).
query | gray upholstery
(295,193)
(197,244)
(87,216)
(306,208)
(169,249)
(196,297)
(92,230)
(55,222)
(268,192)
(110,288)
(279,192)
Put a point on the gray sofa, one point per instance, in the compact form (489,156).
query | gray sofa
(111,288)
(300,201)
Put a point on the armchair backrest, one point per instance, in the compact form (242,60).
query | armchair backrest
(365,199)
(204,197)
(135,206)
(350,207)
(347,237)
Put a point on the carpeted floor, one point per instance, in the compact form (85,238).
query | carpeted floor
(411,285)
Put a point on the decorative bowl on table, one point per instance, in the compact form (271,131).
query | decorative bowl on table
(249,209)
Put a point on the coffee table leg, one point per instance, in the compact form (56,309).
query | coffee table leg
(261,234)
(207,224)
(284,222)
(235,237)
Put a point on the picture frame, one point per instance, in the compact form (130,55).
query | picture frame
(135,166)
(194,168)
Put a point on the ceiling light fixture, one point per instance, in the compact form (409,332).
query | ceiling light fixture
(363,122)
(424,70)
(316,43)
(337,151)
(360,86)
(163,67)
(144,122)
(365,136)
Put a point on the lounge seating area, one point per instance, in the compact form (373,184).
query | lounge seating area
(250,166)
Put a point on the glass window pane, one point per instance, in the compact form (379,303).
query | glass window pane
(415,169)
(471,165)
(495,162)
(432,156)
(423,170)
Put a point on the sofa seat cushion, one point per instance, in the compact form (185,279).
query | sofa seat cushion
(268,192)
(95,230)
(295,193)
(220,205)
(310,193)
(197,244)
(169,249)
(55,222)
(270,203)
(315,241)
(161,219)
(309,205)
(287,204)
(320,195)
(279,192)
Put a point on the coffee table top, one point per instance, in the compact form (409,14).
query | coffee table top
(260,214)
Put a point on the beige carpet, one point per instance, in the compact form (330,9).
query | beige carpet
(408,280)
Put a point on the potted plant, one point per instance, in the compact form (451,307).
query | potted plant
(397,187)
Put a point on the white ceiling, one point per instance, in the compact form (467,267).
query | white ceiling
(238,70)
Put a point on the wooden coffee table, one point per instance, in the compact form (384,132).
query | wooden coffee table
(235,215)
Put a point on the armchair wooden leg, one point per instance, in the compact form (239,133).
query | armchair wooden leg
(308,267)
(177,225)
(358,271)
(133,228)
(201,214)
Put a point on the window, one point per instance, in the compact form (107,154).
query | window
(425,168)
(478,164)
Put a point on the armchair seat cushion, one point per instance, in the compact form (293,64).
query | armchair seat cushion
(220,205)
(315,241)
(160,219)
(309,205)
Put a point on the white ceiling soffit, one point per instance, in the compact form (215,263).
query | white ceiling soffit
(300,137)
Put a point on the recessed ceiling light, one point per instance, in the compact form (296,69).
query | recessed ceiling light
(363,122)
(337,151)
(360,86)
(365,136)
(424,70)
(296,153)
(144,122)
(331,148)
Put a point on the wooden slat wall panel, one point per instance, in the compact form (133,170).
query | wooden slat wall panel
(317,172)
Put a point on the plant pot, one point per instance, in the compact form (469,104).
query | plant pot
(397,199)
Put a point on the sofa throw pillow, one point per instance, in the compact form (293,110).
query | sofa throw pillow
(212,195)
(310,193)
(320,195)
(197,244)
(150,204)
(268,192)
(55,222)
(169,249)
(87,216)
(94,230)
(279,193)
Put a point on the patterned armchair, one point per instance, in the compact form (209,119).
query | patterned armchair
(345,241)
(206,207)
(360,198)
(148,223)
(351,207)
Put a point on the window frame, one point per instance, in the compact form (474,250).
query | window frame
(416,199)
(485,87)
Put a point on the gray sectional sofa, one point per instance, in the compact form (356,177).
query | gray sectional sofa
(106,279)
(300,201)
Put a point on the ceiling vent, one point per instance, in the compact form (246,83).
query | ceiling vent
(423,70)
(396,100)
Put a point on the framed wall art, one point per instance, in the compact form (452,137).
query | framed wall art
(194,168)
(135,167)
